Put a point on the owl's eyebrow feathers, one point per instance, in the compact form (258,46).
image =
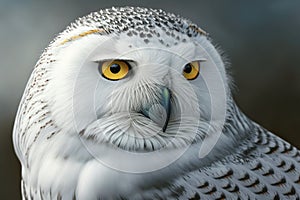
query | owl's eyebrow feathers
(85,33)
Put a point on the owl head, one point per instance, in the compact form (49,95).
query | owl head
(135,79)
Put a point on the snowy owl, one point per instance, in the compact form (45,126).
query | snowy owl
(135,103)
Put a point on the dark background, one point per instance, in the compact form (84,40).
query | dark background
(260,38)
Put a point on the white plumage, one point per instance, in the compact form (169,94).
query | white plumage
(135,103)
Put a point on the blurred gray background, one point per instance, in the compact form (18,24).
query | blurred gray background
(260,38)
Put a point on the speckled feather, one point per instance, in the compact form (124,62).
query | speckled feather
(262,166)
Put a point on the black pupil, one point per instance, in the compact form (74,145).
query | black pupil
(188,68)
(115,68)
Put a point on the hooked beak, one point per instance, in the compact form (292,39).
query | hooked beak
(165,102)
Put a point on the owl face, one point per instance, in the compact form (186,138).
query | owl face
(146,87)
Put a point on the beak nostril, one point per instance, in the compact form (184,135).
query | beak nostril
(160,113)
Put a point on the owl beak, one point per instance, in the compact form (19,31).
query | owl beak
(153,111)
(166,103)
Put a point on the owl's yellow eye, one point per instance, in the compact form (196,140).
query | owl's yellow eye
(114,69)
(191,70)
